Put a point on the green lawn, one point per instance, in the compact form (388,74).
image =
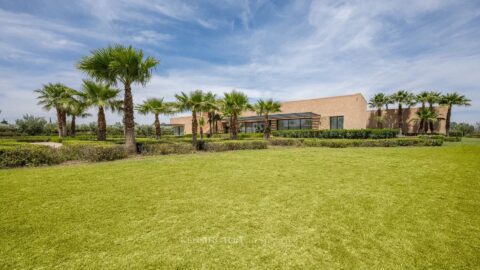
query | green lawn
(304,208)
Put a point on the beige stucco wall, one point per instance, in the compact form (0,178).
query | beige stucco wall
(409,115)
(186,121)
(352,107)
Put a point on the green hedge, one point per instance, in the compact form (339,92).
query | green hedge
(93,153)
(26,155)
(338,134)
(342,143)
(221,146)
(165,148)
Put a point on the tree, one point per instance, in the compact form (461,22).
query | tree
(378,101)
(427,115)
(210,107)
(422,98)
(101,96)
(76,108)
(31,125)
(233,105)
(265,108)
(126,65)
(464,128)
(402,97)
(450,100)
(194,102)
(156,106)
(432,99)
(56,96)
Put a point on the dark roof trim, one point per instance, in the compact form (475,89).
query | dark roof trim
(280,116)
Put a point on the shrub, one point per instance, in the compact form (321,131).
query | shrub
(220,146)
(93,153)
(338,134)
(165,148)
(342,143)
(29,155)
(286,142)
(31,125)
(250,135)
(455,134)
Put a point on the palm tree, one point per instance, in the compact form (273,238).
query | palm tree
(194,102)
(266,107)
(450,100)
(76,108)
(432,99)
(378,101)
(201,123)
(126,65)
(427,115)
(157,107)
(233,105)
(402,97)
(102,97)
(56,96)
(422,98)
(211,106)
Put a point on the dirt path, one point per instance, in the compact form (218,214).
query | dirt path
(51,144)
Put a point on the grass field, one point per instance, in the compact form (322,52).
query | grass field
(304,208)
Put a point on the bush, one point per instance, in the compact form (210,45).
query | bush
(31,125)
(455,134)
(342,143)
(29,155)
(220,146)
(164,148)
(338,134)
(93,153)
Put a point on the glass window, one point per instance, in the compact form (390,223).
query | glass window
(258,127)
(294,124)
(282,124)
(248,128)
(336,122)
(306,123)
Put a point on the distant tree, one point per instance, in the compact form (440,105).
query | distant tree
(464,128)
(56,96)
(31,125)
(125,65)
(378,101)
(102,97)
(233,105)
(402,97)
(265,108)
(450,100)
(157,107)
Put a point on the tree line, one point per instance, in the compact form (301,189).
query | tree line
(426,115)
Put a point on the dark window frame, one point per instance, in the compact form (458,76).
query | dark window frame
(334,122)
(301,120)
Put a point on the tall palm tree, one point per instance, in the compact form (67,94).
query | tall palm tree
(194,102)
(450,100)
(210,108)
(76,108)
(101,96)
(378,101)
(265,108)
(156,106)
(126,65)
(233,105)
(56,96)
(402,97)
(422,98)
(432,99)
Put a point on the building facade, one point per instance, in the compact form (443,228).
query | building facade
(339,112)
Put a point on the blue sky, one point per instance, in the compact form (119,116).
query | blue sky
(286,50)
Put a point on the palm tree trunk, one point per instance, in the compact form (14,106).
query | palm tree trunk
(73,128)
(266,128)
(447,121)
(422,121)
(102,124)
(379,116)
(194,128)
(210,124)
(400,118)
(234,127)
(430,123)
(158,130)
(129,121)
(64,123)
(59,123)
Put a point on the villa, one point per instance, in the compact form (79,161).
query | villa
(338,112)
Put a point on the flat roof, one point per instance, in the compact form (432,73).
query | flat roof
(280,116)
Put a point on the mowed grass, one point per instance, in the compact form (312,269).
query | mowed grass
(304,208)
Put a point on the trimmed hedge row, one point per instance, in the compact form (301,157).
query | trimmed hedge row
(338,134)
(342,143)
(233,145)
(165,148)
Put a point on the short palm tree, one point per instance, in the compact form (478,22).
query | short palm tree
(402,97)
(156,106)
(76,108)
(211,106)
(378,101)
(233,105)
(422,98)
(265,108)
(450,100)
(56,96)
(433,98)
(194,102)
(101,96)
(120,64)
(427,115)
